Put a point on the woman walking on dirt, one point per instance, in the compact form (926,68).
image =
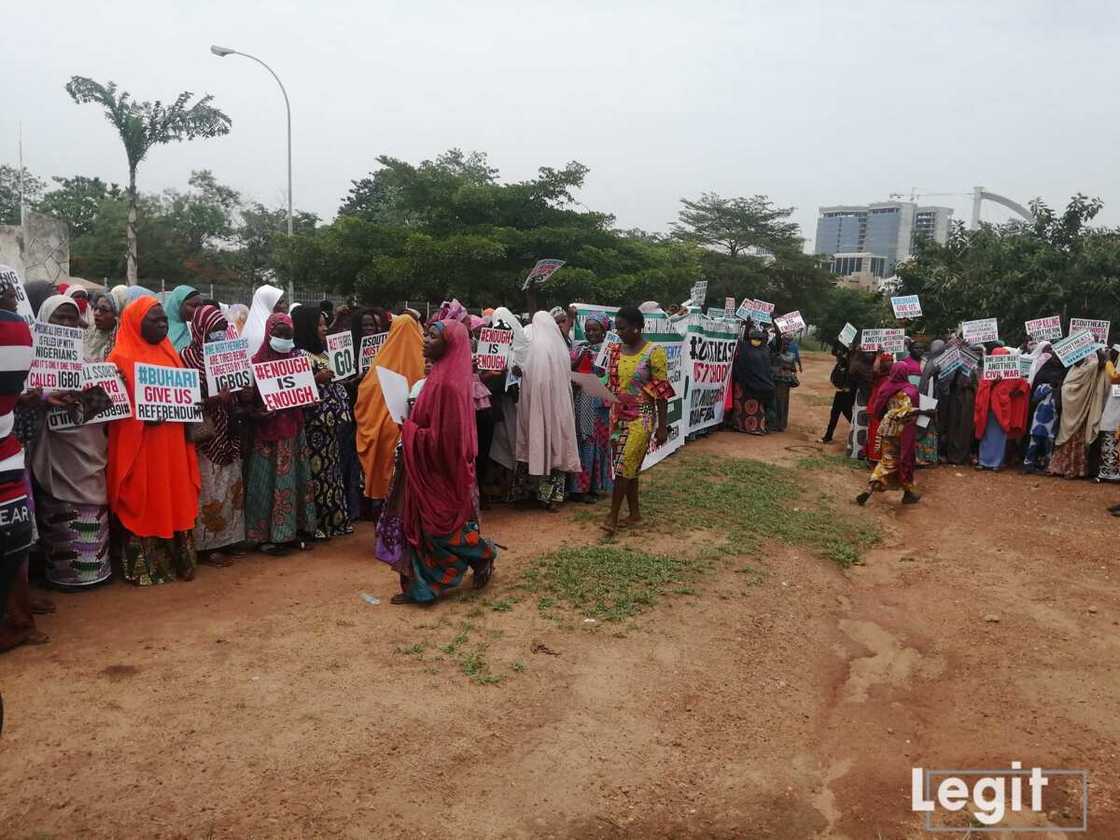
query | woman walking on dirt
(895,405)
(638,374)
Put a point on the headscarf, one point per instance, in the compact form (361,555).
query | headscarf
(356,319)
(897,382)
(441,443)
(286,423)
(1042,353)
(929,364)
(224,448)
(506,320)
(546,423)
(137,292)
(377,434)
(178,330)
(306,328)
(47,308)
(583,350)
(264,301)
(751,369)
(649,306)
(119,296)
(236,316)
(1083,396)
(97,342)
(153,479)
(1008,399)
(451,310)
(72,292)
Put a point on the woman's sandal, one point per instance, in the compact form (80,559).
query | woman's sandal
(482,576)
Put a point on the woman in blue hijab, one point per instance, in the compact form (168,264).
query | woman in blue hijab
(180,306)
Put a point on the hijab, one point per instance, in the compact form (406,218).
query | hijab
(152,479)
(286,423)
(264,301)
(224,448)
(751,368)
(72,292)
(1083,396)
(178,330)
(441,443)
(119,296)
(99,342)
(47,308)
(306,328)
(1008,399)
(377,434)
(506,320)
(546,423)
(929,364)
(897,382)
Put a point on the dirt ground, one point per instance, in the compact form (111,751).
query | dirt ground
(269,700)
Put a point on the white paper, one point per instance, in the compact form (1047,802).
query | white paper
(592,386)
(394,388)
(925,403)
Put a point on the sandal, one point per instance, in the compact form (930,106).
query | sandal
(402,598)
(482,576)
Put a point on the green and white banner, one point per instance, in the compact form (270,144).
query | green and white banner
(709,346)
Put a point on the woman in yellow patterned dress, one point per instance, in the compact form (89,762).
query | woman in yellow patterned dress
(638,374)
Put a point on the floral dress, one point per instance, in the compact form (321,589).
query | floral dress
(322,423)
(638,381)
(593,429)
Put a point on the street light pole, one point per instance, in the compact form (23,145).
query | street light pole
(222,52)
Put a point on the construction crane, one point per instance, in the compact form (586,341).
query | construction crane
(915,195)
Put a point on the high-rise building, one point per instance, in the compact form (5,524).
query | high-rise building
(886,230)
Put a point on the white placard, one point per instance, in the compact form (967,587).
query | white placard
(789,323)
(56,363)
(1099,329)
(9,277)
(340,355)
(227,365)
(286,383)
(847,335)
(593,386)
(394,390)
(1001,367)
(105,375)
(494,347)
(1048,329)
(699,292)
(728,307)
(925,404)
(167,394)
(604,351)
(1074,348)
(371,346)
(980,331)
(758,311)
(906,306)
(1115,392)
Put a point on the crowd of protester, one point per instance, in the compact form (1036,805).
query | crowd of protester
(146,501)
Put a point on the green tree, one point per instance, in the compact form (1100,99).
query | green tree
(76,201)
(142,125)
(732,225)
(9,192)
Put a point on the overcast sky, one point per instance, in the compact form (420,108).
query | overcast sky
(811,103)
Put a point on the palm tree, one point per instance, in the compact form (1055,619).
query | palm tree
(146,124)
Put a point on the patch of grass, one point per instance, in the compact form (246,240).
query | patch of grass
(754,501)
(606,582)
(475,666)
(504,605)
(413,650)
(453,646)
(518,666)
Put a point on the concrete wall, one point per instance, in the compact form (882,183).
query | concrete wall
(39,250)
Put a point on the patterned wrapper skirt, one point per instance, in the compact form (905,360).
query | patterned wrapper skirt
(630,442)
(75,541)
(439,563)
(748,410)
(926,454)
(593,428)
(279,492)
(331,505)
(1110,457)
(857,436)
(152,560)
(1071,460)
(221,505)
(885,474)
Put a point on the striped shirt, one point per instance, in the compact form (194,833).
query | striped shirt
(15,359)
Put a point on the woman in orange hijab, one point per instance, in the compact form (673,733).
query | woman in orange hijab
(377,434)
(153,480)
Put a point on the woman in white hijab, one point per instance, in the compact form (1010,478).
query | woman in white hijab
(266,300)
(546,422)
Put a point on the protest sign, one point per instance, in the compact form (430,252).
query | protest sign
(340,355)
(728,307)
(715,313)
(1025,365)
(167,394)
(906,306)
(1001,367)
(371,346)
(592,386)
(948,362)
(227,365)
(601,359)
(493,348)
(758,311)
(893,341)
(395,392)
(709,352)
(286,383)
(1074,348)
(10,279)
(789,323)
(871,340)
(1115,392)
(1048,329)
(925,403)
(541,272)
(56,362)
(847,335)
(1099,329)
(96,374)
(980,330)
(699,292)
